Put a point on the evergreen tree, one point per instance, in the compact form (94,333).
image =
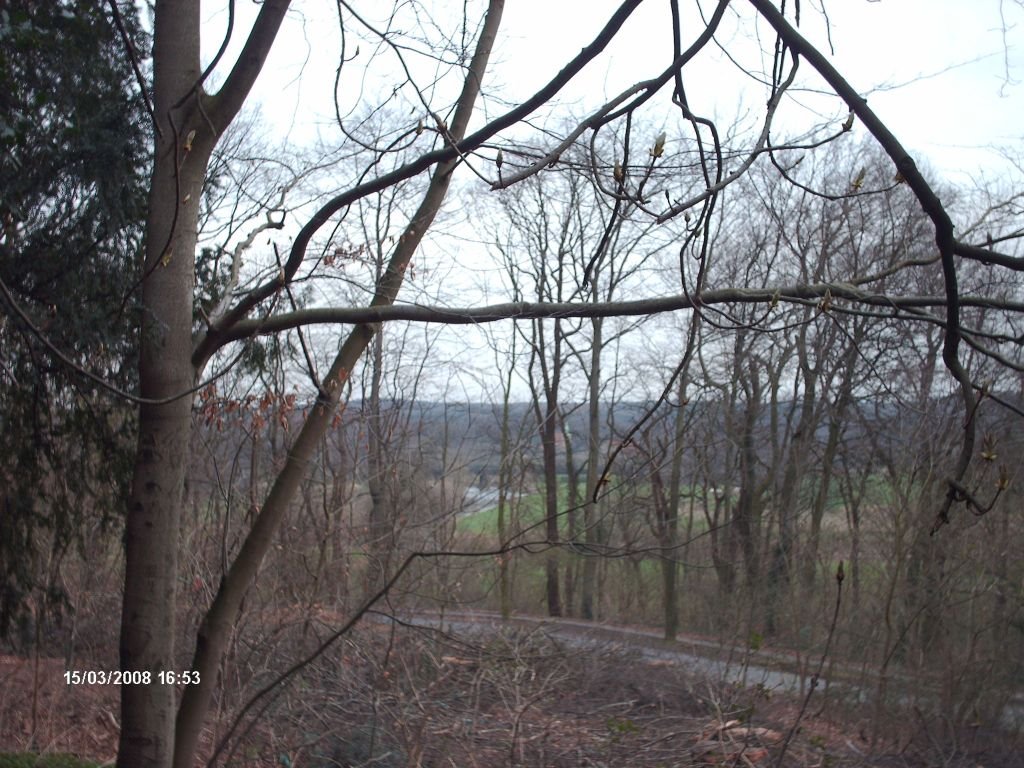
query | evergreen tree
(73,154)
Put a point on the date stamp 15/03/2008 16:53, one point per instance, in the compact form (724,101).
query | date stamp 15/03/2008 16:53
(128,677)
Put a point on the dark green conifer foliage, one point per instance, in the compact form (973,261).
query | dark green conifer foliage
(73,158)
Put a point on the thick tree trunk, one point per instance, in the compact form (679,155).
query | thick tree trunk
(184,138)
(165,371)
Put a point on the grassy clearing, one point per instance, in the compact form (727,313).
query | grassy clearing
(528,510)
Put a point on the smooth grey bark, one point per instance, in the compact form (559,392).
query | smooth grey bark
(165,371)
(189,123)
(152,520)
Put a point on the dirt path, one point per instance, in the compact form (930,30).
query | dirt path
(774,670)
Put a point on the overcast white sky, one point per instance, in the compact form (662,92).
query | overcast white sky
(945,74)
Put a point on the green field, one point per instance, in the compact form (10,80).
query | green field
(527,510)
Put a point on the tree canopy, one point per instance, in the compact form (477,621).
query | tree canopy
(779,256)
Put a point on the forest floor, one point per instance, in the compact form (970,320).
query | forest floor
(470,691)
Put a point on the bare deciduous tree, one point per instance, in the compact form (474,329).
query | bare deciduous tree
(191,120)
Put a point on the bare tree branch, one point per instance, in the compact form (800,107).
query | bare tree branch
(210,341)
(809,295)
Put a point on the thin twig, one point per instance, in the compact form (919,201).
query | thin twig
(133,57)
